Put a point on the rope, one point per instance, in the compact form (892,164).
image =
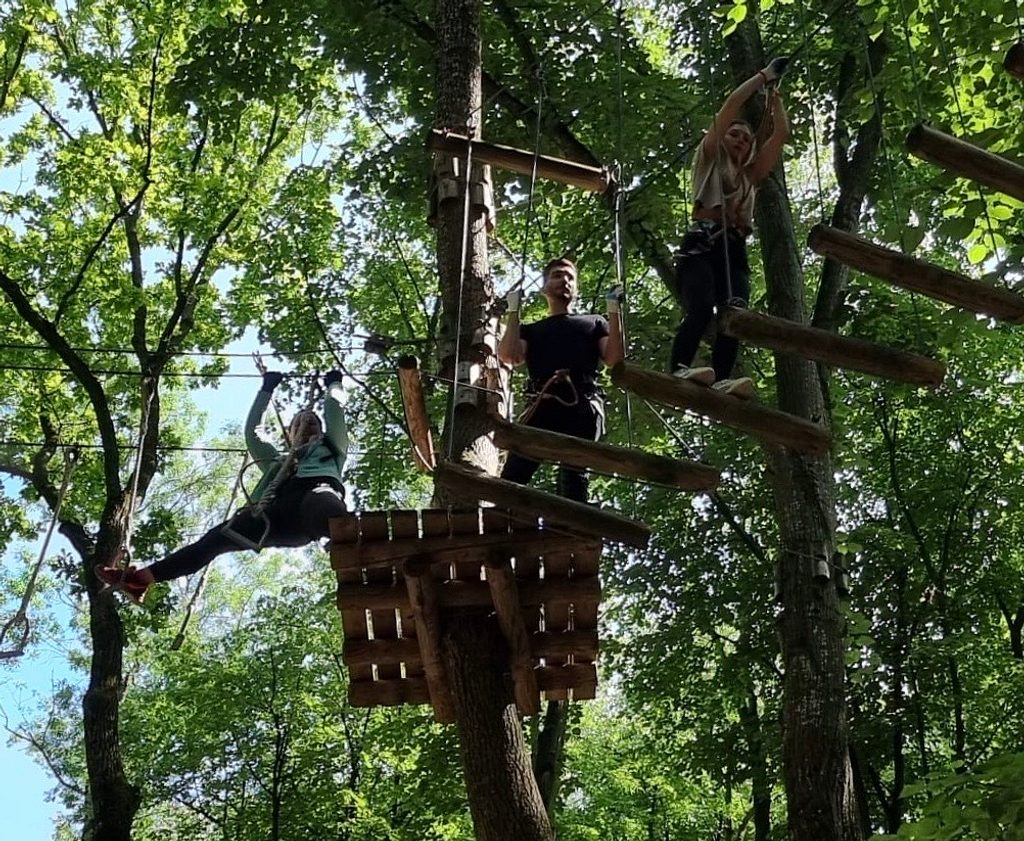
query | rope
(560,376)
(21,614)
(814,122)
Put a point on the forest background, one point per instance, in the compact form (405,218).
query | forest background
(176,173)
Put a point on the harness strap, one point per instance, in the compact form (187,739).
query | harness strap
(560,376)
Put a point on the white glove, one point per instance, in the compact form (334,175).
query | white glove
(613,299)
(513,299)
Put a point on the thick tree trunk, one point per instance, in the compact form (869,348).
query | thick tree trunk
(547,758)
(819,782)
(757,757)
(503,796)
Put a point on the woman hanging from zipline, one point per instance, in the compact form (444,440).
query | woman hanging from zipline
(712,267)
(291,505)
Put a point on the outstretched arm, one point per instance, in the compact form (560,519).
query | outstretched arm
(730,110)
(771,150)
(262,452)
(611,346)
(512,348)
(336,427)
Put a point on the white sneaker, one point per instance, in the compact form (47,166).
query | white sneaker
(743,387)
(700,376)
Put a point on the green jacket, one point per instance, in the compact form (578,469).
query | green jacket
(324,456)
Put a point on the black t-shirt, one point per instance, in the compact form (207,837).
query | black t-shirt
(564,341)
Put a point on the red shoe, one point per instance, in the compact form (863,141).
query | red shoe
(126,579)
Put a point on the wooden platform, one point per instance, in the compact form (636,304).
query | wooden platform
(399,572)
(522,161)
(967,160)
(830,348)
(916,275)
(750,416)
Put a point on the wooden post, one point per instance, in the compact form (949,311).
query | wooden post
(967,160)
(423,597)
(768,425)
(542,445)
(510,618)
(416,417)
(917,275)
(518,160)
(1014,61)
(829,348)
(464,483)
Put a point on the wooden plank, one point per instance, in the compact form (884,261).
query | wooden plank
(374,526)
(381,652)
(405,525)
(506,605)
(916,275)
(455,594)
(435,524)
(389,693)
(1014,61)
(586,563)
(416,418)
(967,160)
(466,523)
(768,425)
(429,549)
(579,175)
(468,484)
(423,595)
(353,619)
(576,676)
(557,566)
(829,348)
(543,445)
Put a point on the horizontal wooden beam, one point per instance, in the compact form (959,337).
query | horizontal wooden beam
(916,275)
(416,418)
(376,651)
(473,485)
(456,594)
(967,160)
(386,693)
(750,416)
(584,176)
(543,445)
(830,348)
(1014,61)
(454,547)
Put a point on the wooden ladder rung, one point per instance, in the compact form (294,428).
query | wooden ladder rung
(967,160)
(1014,61)
(543,445)
(473,485)
(750,416)
(584,176)
(916,275)
(830,348)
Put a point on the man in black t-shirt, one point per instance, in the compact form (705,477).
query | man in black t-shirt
(568,402)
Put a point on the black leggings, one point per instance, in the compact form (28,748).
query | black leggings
(702,279)
(583,420)
(298,515)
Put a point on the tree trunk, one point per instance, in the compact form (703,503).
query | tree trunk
(819,782)
(503,796)
(760,783)
(547,760)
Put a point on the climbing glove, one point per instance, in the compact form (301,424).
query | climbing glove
(613,298)
(775,69)
(271,380)
(331,377)
(514,299)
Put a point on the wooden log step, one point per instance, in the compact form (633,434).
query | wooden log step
(967,160)
(830,348)
(750,416)
(543,445)
(416,418)
(388,693)
(457,546)
(583,590)
(464,483)
(917,275)
(580,175)
(1014,61)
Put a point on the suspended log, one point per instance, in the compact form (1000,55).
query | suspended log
(542,445)
(768,425)
(584,176)
(1014,61)
(416,418)
(916,275)
(829,348)
(967,160)
(424,600)
(510,619)
(464,483)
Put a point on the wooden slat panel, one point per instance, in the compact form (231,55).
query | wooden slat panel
(750,416)
(474,593)
(420,550)
(581,644)
(353,619)
(380,652)
(374,527)
(436,524)
(586,564)
(579,676)
(389,693)
(406,525)
(466,522)
(557,567)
